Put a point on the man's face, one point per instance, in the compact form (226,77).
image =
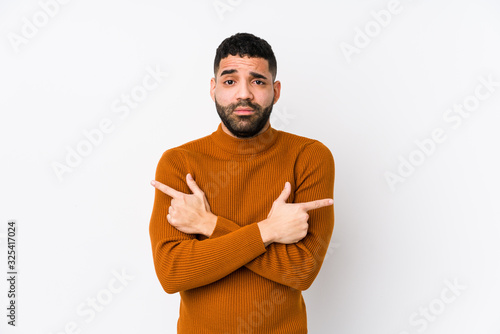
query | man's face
(244,94)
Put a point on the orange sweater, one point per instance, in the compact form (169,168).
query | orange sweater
(231,283)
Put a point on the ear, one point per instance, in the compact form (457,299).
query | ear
(212,88)
(277,91)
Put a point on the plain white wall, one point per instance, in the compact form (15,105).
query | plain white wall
(381,83)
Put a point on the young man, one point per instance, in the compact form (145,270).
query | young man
(242,218)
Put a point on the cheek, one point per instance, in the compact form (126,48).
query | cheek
(223,96)
(265,98)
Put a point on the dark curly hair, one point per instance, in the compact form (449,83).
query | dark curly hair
(245,44)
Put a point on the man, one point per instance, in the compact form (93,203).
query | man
(242,218)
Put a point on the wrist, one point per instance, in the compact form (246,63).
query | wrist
(266,232)
(210,223)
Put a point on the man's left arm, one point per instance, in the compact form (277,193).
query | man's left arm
(297,265)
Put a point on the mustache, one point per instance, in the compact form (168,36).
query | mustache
(244,103)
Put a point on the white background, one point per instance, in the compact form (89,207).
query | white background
(394,248)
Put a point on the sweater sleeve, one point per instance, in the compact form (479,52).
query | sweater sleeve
(297,265)
(181,261)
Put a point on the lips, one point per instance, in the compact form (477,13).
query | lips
(243,111)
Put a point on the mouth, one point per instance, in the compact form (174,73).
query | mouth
(244,111)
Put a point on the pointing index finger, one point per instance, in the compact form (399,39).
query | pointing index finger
(317,204)
(166,189)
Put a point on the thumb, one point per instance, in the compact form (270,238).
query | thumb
(207,205)
(285,193)
(192,185)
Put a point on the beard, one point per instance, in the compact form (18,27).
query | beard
(244,126)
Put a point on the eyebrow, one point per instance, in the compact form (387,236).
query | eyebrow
(253,74)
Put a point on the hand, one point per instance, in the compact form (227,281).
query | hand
(189,213)
(286,223)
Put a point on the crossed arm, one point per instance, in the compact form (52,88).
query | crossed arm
(283,247)
(286,223)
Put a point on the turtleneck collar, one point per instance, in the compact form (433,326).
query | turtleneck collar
(253,145)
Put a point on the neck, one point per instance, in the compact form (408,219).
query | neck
(244,146)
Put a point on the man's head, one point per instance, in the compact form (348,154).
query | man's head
(244,88)
(244,44)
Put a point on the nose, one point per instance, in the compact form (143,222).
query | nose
(244,92)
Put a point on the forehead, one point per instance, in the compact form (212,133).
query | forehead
(244,64)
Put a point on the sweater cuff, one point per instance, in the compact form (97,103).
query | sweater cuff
(225,226)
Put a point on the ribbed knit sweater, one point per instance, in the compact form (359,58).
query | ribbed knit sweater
(230,282)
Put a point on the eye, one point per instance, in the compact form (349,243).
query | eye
(229,82)
(260,82)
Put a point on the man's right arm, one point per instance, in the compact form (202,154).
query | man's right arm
(181,261)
